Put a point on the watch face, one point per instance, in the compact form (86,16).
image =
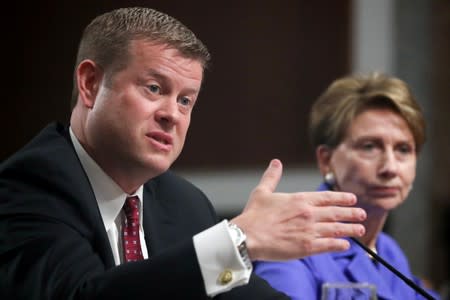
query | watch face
(234,235)
(237,235)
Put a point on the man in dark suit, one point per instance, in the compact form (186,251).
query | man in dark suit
(91,210)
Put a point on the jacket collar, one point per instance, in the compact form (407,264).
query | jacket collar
(361,268)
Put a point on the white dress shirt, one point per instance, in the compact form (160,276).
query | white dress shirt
(215,249)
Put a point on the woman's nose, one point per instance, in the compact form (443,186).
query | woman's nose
(388,164)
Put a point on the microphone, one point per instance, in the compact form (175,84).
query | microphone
(394,270)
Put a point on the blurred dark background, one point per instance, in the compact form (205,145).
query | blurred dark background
(271,59)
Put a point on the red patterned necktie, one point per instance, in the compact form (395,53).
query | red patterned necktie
(131,242)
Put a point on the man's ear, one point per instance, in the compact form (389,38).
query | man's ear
(323,157)
(89,76)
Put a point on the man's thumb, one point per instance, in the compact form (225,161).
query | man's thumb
(271,177)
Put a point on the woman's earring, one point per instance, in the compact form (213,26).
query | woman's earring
(329,179)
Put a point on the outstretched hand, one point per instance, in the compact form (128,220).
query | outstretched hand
(281,226)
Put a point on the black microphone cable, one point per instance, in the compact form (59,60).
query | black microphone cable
(394,270)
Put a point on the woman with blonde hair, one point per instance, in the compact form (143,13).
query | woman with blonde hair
(367,132)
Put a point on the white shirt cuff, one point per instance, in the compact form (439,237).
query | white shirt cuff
(221,265)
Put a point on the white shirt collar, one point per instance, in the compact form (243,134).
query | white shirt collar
(110,197)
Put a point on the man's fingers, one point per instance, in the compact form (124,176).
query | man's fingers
(339,230)
(340,214)
(271,176)
(330,198)
(328,245)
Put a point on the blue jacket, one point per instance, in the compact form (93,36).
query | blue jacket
(303,278)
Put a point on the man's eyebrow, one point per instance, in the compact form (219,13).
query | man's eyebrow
(155,73)
(166,80)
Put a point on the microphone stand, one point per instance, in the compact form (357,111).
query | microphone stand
(394,270)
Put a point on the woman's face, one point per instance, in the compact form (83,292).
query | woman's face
(376,159)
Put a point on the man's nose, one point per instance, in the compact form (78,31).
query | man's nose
(168,110)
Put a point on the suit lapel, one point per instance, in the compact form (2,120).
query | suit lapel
(173,212)
(147,220)
(159,226)
(84,196)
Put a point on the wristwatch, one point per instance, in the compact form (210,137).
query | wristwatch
(239,238)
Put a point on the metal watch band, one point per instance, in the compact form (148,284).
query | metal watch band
(241,245)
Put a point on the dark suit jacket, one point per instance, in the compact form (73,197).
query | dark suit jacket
(53,244)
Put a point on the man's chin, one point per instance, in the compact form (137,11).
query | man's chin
(158,165)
